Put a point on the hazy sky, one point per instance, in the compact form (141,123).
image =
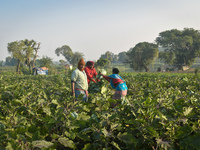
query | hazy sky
(92,26)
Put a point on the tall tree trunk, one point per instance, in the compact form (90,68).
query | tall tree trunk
(18,65)
(146,69)
(36,51)
(29,65)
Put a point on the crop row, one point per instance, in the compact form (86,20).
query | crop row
(161,111)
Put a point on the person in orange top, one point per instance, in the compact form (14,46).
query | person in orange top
(91,72)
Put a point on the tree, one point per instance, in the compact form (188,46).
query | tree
(36,51)
(167,57)
(1,63)
(142,55)
(23,51)
(10,61)
(62,62)
(122,57)
(66,52)
(46,62)
(184,44)
(76,57)
(29,49)
(109,56)
(16,49)
(102,62)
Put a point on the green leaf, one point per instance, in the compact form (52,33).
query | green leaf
(47,110)
(42,144)
(96,135)
(2,126)
(87,146)
(114,126)
(52,121)
(70,134)
(36,135)
(184,131)
(2,148)
(94,117)
(29,134)
(163,144)
(195,141)
(116,145)
(67,143)
(105,132)
(74,115)
(31,112)
(103,90)
(126,138)
(54,136)
(187,111)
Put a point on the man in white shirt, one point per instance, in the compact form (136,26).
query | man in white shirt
(79,82)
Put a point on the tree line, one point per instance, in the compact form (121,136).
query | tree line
(179,48)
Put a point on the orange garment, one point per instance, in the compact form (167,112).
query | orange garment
(91,73)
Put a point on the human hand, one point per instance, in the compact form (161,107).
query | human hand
(93,80)
(73,94)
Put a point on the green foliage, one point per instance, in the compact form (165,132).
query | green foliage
(142,55)
(184,45)
(109,56)
(196,71)
(76,57)
(122,57)
(16,49)
(161,111)
(22,52)
(102,62)
(66,51)
(46,62)
(167,57)
(10,61)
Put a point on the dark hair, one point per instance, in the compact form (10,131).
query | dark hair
(115,71)
(90,63)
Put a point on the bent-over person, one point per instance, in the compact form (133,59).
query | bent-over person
(118,84)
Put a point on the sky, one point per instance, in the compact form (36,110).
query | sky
(92,27)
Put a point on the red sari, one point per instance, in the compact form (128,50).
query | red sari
(91,73)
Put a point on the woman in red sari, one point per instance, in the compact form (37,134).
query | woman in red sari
(91,72)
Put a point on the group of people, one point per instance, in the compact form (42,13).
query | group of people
(83,75)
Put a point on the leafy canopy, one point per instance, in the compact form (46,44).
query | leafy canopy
(66,51)
(142,55)
(185,45)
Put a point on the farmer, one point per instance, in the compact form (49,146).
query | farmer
(118,84)
(91,72)
(79,82)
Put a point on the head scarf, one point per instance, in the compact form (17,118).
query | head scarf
(90,63)
(81,62)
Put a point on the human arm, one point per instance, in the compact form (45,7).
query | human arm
(73,88)
(95,75)
(89,74)
(73,80)
(106,77)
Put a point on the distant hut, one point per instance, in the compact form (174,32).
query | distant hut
(40,71)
